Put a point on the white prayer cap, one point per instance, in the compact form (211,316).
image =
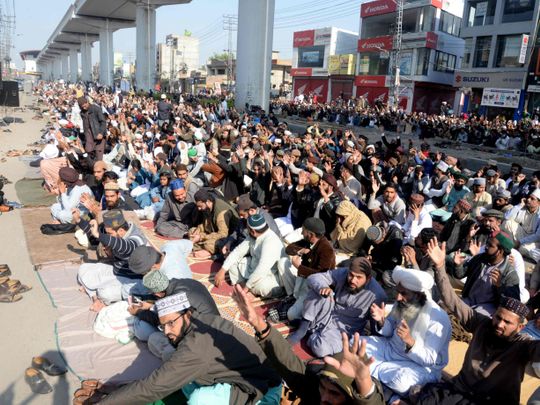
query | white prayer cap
(63,122)
(198,134)
(138,136)
(479,181)
(163,96)
(287,133)
(536,193)
(277,140)
(50,151)
(413,280)
(177,118)
(370,147)
(149,134)
(442,166)
(350,144)
(173,303)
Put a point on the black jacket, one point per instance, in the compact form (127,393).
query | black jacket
(96,120)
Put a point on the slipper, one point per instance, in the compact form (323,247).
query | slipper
(83,392)
(91,384)
(7,296)
(38,384)
(82,400)
(16,287)
(4,270)
(44,364)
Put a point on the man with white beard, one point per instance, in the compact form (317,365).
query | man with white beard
(412,348)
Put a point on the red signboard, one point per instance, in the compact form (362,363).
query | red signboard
(301,72)
(303,38)
(436,3)
(375,44)
(378,7)
(431,40)
(311,86)
(370,81)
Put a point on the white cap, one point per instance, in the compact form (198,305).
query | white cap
(288,133)
(536,193)
(149,134)
(350,144)
(50,151)
(277,140)
(198,134)
(138,136)
(370,146)
(63,122)
(173,303)
(163,96)
(442,166)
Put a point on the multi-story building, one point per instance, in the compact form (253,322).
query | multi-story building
(431,51)
(499,39)
(177,57)
(316,71)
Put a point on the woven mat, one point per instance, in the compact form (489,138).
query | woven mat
(30,193)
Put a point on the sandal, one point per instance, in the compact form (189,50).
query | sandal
(5,270)
(44,364)
(38,384)
(6,295)
(91,384)
(83,392)
(16,287)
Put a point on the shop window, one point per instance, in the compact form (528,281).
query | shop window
(444,62)
(427,19)
(449,23)
(374,63)
(508,49)
(422,63)
(481,13)
(467,55)
(481,53)
(518,10)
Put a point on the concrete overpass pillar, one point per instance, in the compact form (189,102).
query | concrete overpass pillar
(57,68)
(145,67)
(106,56)
(65,66)
(86,60)
(73,65)
(254,55)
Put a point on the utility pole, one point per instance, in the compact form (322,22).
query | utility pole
(230,24)
(396,54)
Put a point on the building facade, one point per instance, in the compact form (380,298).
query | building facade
(316,63)
(431,52)
(499,41)
(177,58)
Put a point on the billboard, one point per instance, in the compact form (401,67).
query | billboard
(301,72)
(370,81)
(311,56)
(341,64)
(304,38)
(311,86)
(377,44)
(377,7)
(507,98)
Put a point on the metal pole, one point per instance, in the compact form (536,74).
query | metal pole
(396,54)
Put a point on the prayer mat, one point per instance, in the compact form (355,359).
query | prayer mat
(148,227)
(30,193)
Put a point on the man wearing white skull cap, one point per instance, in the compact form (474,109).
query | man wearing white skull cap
(214,362)
(413,346)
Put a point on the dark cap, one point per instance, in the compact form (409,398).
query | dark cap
(113,219)
(330,180)
(142,259)
(314,225)
(493,213)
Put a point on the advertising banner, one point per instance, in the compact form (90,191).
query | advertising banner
(377,8)
(377,44)
(524,46)
(303,38)
(311,86)
(508,80)
(370,81)
(341,64)
(301,72)
(431,40)
(507,98)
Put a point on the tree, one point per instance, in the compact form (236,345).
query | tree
(220,56)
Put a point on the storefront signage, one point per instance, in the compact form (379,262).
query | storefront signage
(501,98)
(377,44)
(505,80)
(323,36)
(301,72)
(524,46)
(370,81)
(431,40)
(304,38)
(377,8)
(341,64)
(533,88)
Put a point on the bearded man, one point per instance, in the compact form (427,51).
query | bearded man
(214,362)
(523,223)
(338,301)
(412,348)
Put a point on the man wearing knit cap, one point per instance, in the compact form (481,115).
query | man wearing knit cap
(313,254)
(418,218)
(71,190)
(490,275)
(254,261)
(494,182)
(523,224)
(412,348)
(478,197)
(456,231)
(437,186)
(338,301)
(176,216)
(214,362)
(497,355)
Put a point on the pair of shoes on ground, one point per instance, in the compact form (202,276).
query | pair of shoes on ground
(10,290)
(91,392)
(34,376)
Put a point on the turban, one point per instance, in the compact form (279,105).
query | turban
(113,219)
(100,164)
(142,259)
(256,222)
(314,225)
(171,304)
(536,194)
(69,176)
(361,264)
(464,205)
(330,180)
(176,184)
(374,233)
(413,280)
(515,306)
(505,241)
(155,281)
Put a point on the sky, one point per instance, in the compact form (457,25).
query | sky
(37,19)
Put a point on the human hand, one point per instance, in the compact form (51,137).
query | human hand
(459,258)
(94,230)
(246,308)
(355,363)
(495,277)
(437,253)
(219,277)
(474,247)
(375,186)
(404,333)
(76,215)
(409,254)
(378,313)
(326,292)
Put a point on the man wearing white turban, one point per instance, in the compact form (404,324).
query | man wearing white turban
(412,348)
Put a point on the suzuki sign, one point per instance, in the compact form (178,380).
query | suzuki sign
(377,8)
(377,44)
(503,80)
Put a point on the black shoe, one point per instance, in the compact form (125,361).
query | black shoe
(38,384)
(43,364)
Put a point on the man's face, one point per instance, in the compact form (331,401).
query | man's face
(506,324)
(330,393)
(479,189)
(514,170)
(182,174)
(405,297)
(459,183)
(389,194)
(164,181)
(420,244)
(174,326)
(532,203)
(98,173)
(179,195)
(492,223)
(202,206)
(491,180)
(356,280)
(500,202)
(492,247)
(324,186)
(111,198)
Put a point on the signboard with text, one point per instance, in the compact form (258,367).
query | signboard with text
(304,38)
(301,72)
(377,44)
(377,7)
(508,80)
(506,98)
(524,46)
(341,64)
(370,81)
